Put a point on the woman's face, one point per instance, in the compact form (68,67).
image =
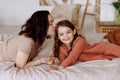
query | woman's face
(66,34)
(51,25)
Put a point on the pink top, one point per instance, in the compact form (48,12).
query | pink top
(82,51)
(8,50)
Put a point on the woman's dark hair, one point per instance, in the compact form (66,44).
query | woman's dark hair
(36,26)
(58,43)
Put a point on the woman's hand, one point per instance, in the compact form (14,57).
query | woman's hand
(56,61)
(41,60)
(33,63)
(51,68)
(44,60)
(47,60)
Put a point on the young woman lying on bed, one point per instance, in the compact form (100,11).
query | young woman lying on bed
(22,48)
(69,47)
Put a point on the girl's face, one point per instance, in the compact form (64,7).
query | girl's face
(66,35)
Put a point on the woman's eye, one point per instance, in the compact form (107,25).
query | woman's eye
(51,24)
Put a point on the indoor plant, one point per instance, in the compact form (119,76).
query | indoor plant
(116,5)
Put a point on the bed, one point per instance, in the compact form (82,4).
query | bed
(90,70)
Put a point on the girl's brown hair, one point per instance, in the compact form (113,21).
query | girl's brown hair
(58,43)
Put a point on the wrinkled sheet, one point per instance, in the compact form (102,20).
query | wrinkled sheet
(91,70)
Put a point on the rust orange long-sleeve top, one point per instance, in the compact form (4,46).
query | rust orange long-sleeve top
(82,51)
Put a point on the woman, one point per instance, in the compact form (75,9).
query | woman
(22,48)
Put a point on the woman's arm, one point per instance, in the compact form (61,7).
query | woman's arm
(24,49)
(38,61)
(21,59)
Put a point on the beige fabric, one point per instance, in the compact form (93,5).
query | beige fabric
(70,12)
(8,50)
(53,2)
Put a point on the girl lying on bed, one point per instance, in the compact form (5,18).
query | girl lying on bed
(70,47)
(22,48)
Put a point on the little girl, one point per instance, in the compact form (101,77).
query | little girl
(70,48)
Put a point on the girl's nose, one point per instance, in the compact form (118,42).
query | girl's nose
(65,35)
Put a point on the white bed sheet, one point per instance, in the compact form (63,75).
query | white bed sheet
(91,70)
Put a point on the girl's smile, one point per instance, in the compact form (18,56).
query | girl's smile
(66,35)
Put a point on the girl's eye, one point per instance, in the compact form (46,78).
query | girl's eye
(68,32)
(60,34)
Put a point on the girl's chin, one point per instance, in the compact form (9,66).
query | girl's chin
(67,43)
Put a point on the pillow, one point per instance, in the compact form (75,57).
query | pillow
(94,37)
(113,37)
(46,48)
(69,12)
(53,2)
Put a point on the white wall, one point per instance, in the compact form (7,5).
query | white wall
(16,12)
(13,13)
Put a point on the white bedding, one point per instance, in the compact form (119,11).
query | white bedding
(91,70)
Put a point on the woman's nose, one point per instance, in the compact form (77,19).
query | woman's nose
(54,24)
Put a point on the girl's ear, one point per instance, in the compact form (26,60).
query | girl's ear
(74,31)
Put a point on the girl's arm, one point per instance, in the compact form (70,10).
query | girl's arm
(78,46)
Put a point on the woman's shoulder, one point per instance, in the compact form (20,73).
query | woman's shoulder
(25,40)
(22,38)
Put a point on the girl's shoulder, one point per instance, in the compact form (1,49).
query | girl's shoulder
(79,38)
